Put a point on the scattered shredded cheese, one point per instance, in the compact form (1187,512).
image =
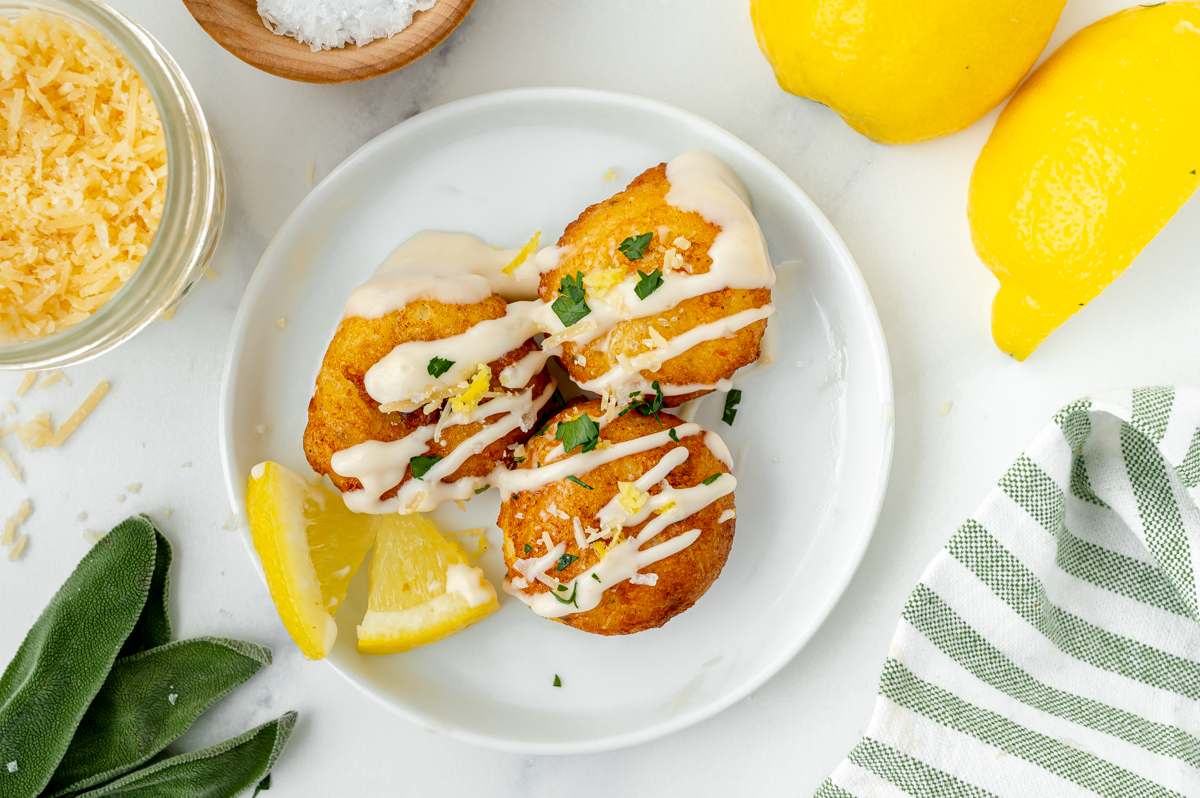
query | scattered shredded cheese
(83,173)
(19,549)
(12,467)
(72,423)
(577,329)
(27,382)
(36,433)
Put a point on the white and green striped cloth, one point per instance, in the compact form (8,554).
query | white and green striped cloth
(1052,648)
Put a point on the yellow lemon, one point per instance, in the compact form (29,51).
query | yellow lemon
(422,588)
(310,546)
(1091,157)
(900,71)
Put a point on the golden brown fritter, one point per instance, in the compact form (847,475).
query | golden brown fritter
(342,413)
(592,240)
(683,577)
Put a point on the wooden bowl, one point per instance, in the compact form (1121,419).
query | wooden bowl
(236,26)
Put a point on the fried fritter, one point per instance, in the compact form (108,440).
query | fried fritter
(683,577)
(342,413)
(592,242)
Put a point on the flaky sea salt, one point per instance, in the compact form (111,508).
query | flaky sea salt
(326,24)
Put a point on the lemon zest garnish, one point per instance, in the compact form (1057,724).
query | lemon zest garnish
(664,508)
(526,251)
(468,400)
(600,548)
(602,444)
(631,498)
(616,538)
(601,282)
(611,174)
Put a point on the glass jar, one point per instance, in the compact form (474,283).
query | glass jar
(193,210)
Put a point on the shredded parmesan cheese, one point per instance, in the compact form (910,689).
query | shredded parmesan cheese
(8,461)
(27,382)
(83,172)
(19,549)
(72,423)
(36,433)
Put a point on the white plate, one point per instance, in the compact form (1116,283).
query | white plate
(812,442)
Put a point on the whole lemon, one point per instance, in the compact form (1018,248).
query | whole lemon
(900,71)
(1087,162)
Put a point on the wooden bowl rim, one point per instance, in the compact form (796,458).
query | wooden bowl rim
(237,27)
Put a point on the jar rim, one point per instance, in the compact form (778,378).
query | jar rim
(193,208)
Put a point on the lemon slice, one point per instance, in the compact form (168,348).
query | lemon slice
(310,546)
(422,588)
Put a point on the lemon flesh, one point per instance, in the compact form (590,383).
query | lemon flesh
(422,589)
(310,546)
(1088,161)
(901,71)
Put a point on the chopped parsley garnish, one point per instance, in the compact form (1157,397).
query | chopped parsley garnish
(732,400)
(582,431)
(421,465)
(528,548)
(481,490)
(439,366)
(596,577)
(579,481)
(564,561)
(569,599)
(514,496)
(647,284)
(635,246)
(650,408)
(712,479)
(572,305)
(563,588)
(557,681)
(518,460)
(671,434)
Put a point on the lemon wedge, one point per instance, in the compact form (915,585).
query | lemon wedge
(310,546)
(422,588)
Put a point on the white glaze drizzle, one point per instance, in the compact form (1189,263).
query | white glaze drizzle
(380,466)
(625,559)
(455,266)
(432,252)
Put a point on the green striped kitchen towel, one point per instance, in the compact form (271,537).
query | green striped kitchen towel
(1052,648)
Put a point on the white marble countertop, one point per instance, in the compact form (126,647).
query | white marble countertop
(902,212)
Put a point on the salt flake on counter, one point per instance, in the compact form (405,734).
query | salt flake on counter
(329,24)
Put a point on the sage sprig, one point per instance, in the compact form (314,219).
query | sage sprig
(149,700)
(68,653)
(228,768)
(97,691)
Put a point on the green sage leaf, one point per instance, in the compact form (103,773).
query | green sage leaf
(66,656)
(153,628)
(148,701)
(220,771)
